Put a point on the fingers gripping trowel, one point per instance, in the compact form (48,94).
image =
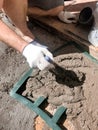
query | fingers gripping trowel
(58,70)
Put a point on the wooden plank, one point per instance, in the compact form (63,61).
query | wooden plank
(73,32)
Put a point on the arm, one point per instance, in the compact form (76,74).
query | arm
(11,38)
(33,53)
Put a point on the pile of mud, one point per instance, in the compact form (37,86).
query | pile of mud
(77,90)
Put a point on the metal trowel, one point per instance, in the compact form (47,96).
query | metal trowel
(58,70)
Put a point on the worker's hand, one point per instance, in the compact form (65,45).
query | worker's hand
(67,17)
(93,37)
(34,53)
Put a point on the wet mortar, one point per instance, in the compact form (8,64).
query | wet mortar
(72,91)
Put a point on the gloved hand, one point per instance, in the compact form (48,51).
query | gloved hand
(67,17)
(93,34)
(34,53)
(93,37)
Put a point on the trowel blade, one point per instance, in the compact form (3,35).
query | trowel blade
(58,70)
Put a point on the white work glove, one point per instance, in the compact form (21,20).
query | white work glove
(67,17)
(93,37)
(34,53)
(93,34)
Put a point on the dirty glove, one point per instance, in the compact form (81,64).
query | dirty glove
(34,53)
(67,17)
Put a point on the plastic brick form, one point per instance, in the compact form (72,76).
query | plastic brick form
(52,122)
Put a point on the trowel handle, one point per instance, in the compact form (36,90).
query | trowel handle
(51,61)
(47,58)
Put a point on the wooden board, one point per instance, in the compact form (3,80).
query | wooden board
(73,32)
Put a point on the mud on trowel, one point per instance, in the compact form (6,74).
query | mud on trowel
(64,75)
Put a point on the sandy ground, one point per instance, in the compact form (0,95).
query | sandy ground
(80,97)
